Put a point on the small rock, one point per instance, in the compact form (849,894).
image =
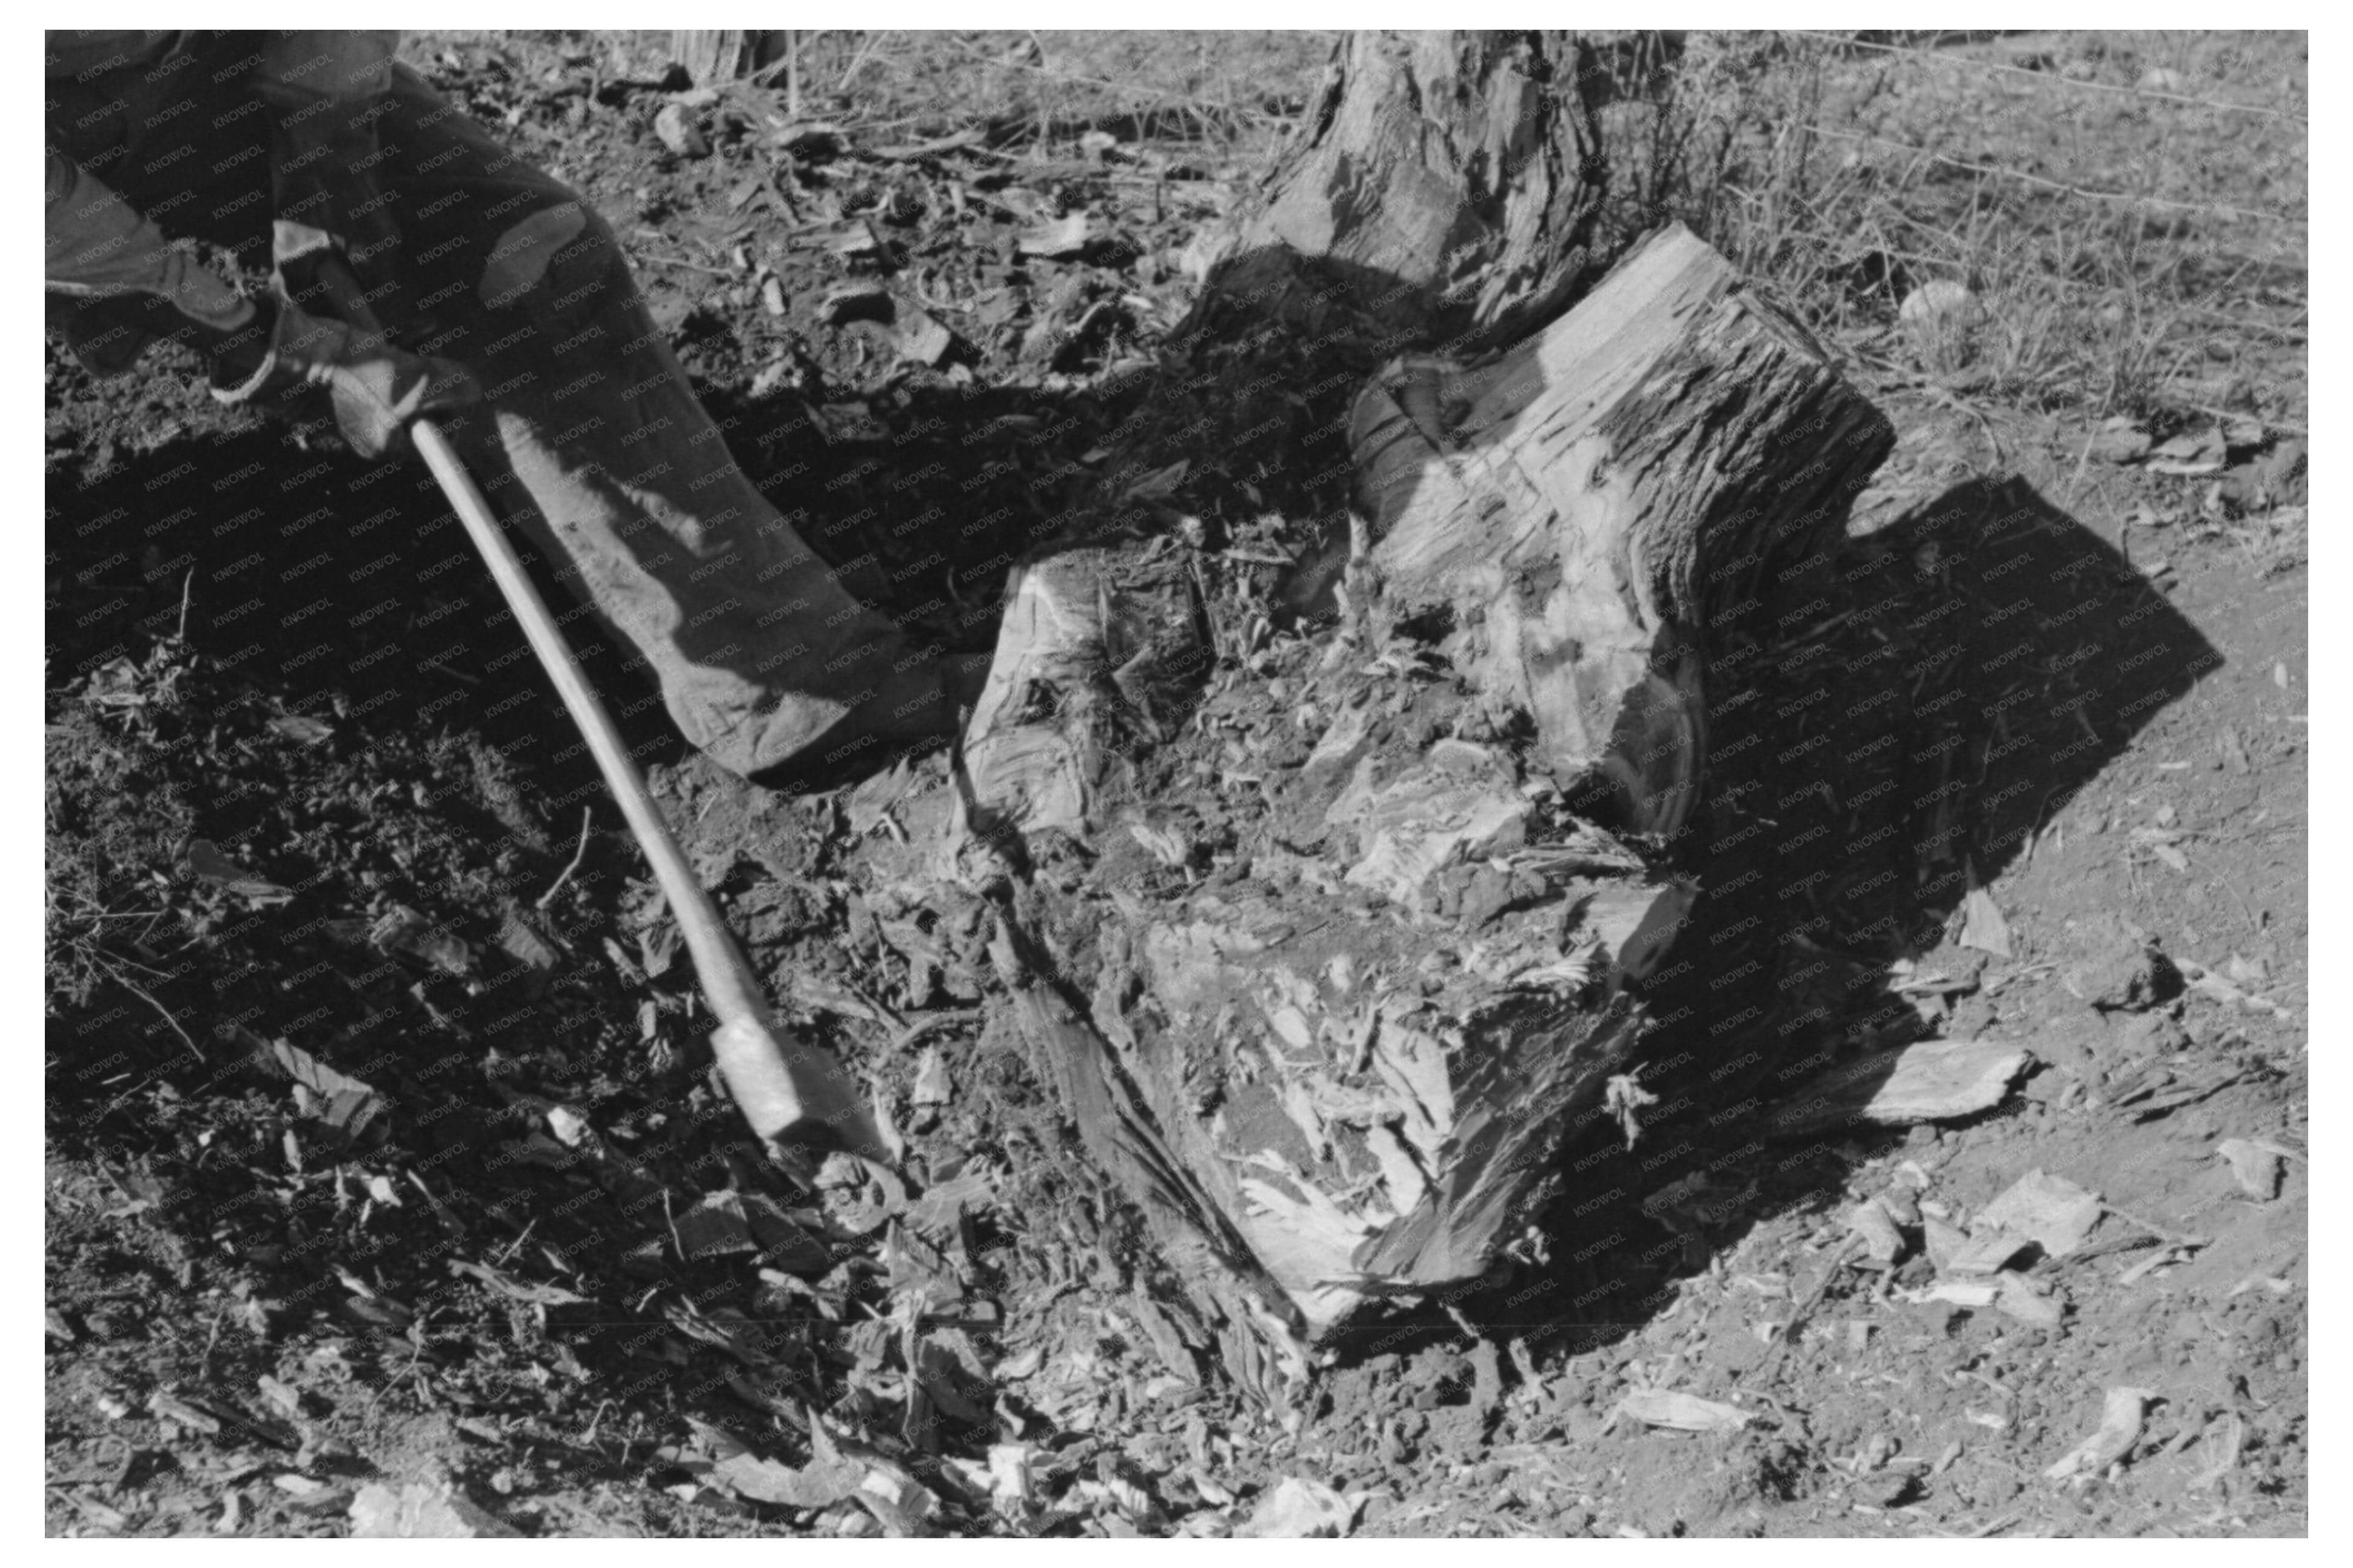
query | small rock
(1941,317)
(2121,1419)
(2116,969)
(2255,1165)
(1939,299)
(2121,440)
(1298,1510)
(1680,1411)
(1888,1489)
(2147,1035)
(1882,1242)
(678,133)
(922,338)
(2053,1212)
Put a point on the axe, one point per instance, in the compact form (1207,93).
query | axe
(789,1090)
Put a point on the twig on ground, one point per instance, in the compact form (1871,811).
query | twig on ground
(651,258)
(1802,1310)
(556,886)
(127,983)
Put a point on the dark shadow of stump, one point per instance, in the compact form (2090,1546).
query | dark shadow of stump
(1970,670)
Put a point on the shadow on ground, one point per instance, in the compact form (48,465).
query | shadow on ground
(1982,660)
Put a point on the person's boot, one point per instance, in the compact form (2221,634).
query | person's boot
(915,709)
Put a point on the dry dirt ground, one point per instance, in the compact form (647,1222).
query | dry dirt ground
(380,1147)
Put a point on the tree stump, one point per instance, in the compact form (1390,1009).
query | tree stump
(1440,193)
(1583,506)
(1362,962)
(1347,951)
(1444,184)
(712,56)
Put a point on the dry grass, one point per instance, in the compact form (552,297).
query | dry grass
(2136,240)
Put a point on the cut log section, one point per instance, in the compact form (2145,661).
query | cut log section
(1367,1049)
(1101,649)
(1582,509)
(1584,505)
(1330,995)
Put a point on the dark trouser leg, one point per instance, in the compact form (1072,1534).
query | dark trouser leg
(591,439)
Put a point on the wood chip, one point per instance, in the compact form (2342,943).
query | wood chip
(419,1511)
(2052,1211)
(1059,239)
(2255,1165)
(1935,1080)
(1680,1411)
(1297,1509)
(2120,1428)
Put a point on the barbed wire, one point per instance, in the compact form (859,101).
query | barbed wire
(2049,78)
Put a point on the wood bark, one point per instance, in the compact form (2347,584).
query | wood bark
(712,55)
(1444,182)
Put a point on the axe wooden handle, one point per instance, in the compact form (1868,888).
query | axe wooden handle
(787,1087)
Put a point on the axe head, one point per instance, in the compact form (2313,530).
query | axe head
(792,1093)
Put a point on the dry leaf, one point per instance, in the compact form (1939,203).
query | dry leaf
(302,731)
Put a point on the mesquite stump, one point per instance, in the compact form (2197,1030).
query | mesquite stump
(1442,188)
(1585,505)
(1356,940)
(1329,939)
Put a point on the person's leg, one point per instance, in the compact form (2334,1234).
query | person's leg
(589,437)
(592,435)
